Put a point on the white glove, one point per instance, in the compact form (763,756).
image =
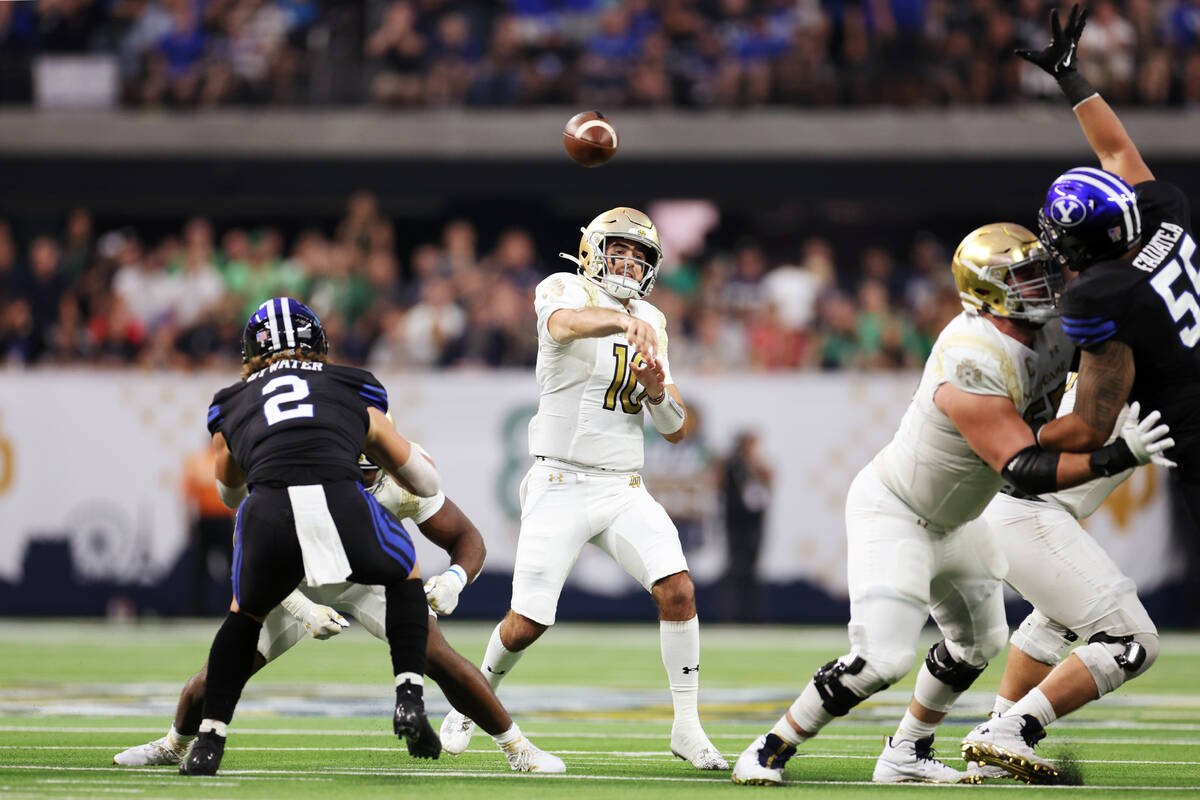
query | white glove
(1146,441)
(320,621)
(442,591)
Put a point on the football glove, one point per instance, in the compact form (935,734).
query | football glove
(1058,57)
(320,621)
(1146,441)
(442,591)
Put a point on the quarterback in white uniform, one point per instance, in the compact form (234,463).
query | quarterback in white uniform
(602,362)
(314,610)
(916,546)
(1079,596)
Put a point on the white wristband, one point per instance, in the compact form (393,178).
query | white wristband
(668,415)
(460,572)
(297,604)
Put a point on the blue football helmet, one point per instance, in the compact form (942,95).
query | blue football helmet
(1089,215)
(282,324)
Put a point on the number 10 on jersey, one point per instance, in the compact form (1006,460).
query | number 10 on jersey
(624,383)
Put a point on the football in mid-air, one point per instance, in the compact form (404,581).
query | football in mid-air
(590,139)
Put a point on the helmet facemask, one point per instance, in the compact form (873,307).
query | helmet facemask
(1003,269)
(627,225)
(1032,288)
(610,270)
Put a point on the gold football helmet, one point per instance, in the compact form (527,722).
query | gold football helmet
(627,224)
(1003,269)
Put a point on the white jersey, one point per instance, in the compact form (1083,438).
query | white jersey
(928,464)
(590,409)
(1082,500)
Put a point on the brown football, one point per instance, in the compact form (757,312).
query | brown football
(590,139)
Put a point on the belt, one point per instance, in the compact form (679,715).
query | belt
(571,465)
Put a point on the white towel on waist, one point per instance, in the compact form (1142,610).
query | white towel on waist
(324,556)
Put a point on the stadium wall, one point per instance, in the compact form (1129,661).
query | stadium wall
(91,511)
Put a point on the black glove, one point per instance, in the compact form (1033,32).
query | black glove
(1058,58)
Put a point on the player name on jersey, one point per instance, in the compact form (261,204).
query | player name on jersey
(1161,245)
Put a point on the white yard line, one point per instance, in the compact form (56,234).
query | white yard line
(292,775)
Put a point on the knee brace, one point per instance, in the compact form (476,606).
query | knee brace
(1043,639)
(1112,660)
(846,682)
(958,675)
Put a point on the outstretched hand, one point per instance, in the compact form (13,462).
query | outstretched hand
(1058,57)
(1147,439)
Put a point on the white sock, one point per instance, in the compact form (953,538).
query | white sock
(216,726)
(498,660)
(680,642)
(410,677)
(509,737)
(177,740)
(809,713)
(1036,705)
(911,729)
(1002,705)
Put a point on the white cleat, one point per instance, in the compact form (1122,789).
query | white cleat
(524,756)
(695,748)
(456,732)
(1008,742)
(914,762)
(762,763)
(152,754)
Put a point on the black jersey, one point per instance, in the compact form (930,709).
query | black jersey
(1151,302)
(295,423)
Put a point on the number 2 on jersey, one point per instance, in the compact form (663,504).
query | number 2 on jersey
(297,391)
(623,383)
(1185,303)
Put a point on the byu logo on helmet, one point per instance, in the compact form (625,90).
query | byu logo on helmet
(1068,211)
(1089,215)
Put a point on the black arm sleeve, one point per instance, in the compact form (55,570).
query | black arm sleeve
(1032,471)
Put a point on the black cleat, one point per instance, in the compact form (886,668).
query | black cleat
(205,755)
(411,725)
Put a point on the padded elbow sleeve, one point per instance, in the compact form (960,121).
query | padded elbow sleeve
(420,474)
(232,496)
(1032,471)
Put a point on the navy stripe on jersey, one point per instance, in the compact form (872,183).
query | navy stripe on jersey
(1087,331)
(214,413)
(236,572)
(393,538)
(375,396)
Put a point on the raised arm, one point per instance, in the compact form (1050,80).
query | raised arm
(1104,131)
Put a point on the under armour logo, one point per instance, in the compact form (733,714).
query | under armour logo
(496,671)
(556,478)
(1068,211)
(690,670)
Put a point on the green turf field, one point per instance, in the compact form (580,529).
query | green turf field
(317,722)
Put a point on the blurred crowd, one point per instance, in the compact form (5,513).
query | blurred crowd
(81,296)
(604,53)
